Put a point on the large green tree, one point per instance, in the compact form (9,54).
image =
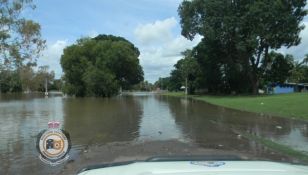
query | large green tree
(100,66)
(242,32)
(220,71)
(20,38)
(20,45)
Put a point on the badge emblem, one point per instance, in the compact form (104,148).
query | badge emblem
(208,163)
(53,144)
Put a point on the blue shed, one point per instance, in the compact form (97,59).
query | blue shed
(284,88)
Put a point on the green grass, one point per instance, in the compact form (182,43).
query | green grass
(293,105)
(174,94)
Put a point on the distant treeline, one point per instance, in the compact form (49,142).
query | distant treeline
(25,79)
(283,68)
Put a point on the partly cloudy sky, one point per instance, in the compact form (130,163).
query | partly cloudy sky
(152,25)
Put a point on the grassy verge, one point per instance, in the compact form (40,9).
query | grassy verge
(174,94)
(293,105)
(286,105)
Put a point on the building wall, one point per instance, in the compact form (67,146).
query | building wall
(283,90)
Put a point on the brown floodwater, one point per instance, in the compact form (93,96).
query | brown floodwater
(128,122)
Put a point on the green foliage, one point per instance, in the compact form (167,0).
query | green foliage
(299,73)
(163,83)
(99,82)
(100,66)
(238,36)
(143,86)
(10,81)
(26,76)
(279,68)
(20,38)
(20,46)
(39,79)
(176,80)
(25,79)
(186,69)
(221,73)
(56,85)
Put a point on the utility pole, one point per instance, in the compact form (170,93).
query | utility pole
(46,88)
(186,91)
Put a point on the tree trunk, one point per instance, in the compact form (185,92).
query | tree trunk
(255,87)
(254,82)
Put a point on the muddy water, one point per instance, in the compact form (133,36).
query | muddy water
(129,124)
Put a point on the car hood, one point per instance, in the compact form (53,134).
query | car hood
(199,168)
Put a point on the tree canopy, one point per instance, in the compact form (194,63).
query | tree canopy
(237,37)
(279,68)
(20,38)
(21,45)
(186,73)
(100,66)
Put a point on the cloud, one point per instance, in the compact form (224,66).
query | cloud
(51,56)
(160,48)
(159,31)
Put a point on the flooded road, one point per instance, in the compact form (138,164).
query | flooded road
(134,126)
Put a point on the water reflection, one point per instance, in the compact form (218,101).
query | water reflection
(157,122)
(21,118)
(99,120)
(136,117)
(214,126)
(203,124)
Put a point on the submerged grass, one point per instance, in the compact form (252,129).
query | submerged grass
(285,105)
(286,150)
